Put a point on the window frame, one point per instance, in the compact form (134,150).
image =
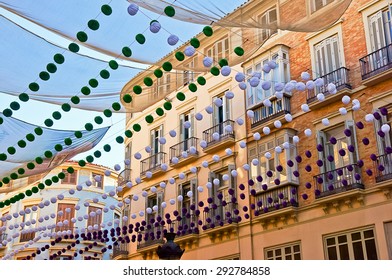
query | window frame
(98,185)
(70,178)
(268,32)
(349,242)
(91,220)
(213,50)
(283,247)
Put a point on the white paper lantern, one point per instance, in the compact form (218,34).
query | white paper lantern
(310,85)
(279,86)
(278,149)
(162,140)
(320,97)
(266,68)
(272,64)
(198,116)
(267,103)
(242,85)
(356,107)
(172,201)
(319,82)
(180,198)
(254,81)
(172,40)
(215,158)
(163,205)
(250,114)
(137,155)
(216,181)
(148,174)
(229,128)
(207,62)
(225,71)
(155,27)
(229,95)
(246,167)
(192,150)
(240,77)
(289,87)
(204,164)
(369,117)
(266,85)
(305,76)
(343,111)
(346,99)
(172,181)
(193,169)
(278,124)
(208,185)
(153,189)
(88,183)
(286,145)
(240,121)
(141,213)
(385,128)
(305,108)
(279,94)
(300,86)
(155,208)
(117,167)
(107,173)
(267,155)
(266,130)
(181,176)
(229,152)
(189,50)
(256,75)
(243,144)
(255,162)
(256,136)
(203,144)
(308,132)
(215,136)
(200,189)
(325,121)
(288,117)
(133,9)
(209,110)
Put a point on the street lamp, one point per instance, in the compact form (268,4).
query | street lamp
(170,250)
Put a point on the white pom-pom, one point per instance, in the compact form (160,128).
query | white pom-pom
(240,121)
(308,132)
(250,114)
(215,158)
(204,164)
(256,136)
(325,121)
(320,97)
(310,85)
(246,167)
(203,144)
(288,117)
(255,162)
(243,144)
(242,85)
(267,155)
(266,130)
(215,136)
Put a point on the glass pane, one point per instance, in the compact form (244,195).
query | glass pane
(287,250)
(332,254)
(368,233)
(296,248)
(371,249)
(355,236)
(358,251)
(342,239)
(297,256)
(343,251)
(270,254)
(331,241)
(288,257)
(278,252)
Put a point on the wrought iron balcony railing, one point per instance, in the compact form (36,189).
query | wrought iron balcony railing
(338,180)
(383,168)
(183,146)
(219,215)
(276,198)
(220,130)
(120,249)
(263,114)
(339,77)
(152,163)
(376,62)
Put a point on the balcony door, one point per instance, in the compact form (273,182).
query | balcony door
(221,114)
(156,147)
(328,59)
(186,133)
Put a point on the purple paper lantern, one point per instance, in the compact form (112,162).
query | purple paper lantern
(333,140)
(373,157)
(259,178)
(308,154)
(304,196)
(264,187)
(298,159)
(290,163)
(296,173)
(360,125)
(377,116)
(241,187)
(251,182)
(308,168)
(308,185)
(253,192)
(320,148)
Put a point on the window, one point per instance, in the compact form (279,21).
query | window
(219,50)
(163,84)
(221,113)
(267,19)
(380,31)
(328,57)
(152,200)
(128,155)
(342,136)
(70,178)
(97,184)
(388,237)
(358,244)
(3,223)
(155,134)
(186,133)
(187,201)
(63,258)
(68,213)
(188,75)
(316,5)
(256,95)
(275,162)
(126,212)
(385,141)
(224,205)
(284,252)
(27,219)
(94,219)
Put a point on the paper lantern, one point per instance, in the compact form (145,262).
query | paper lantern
(346,99)
(189,51)
(310,85)
(172,40)
(319,82)
(246,167)
(300,86)
(278,124)
(288,117)
(243,144)
(242,85)
(256,136)
(155,26)
(279,94)
(240,77)
(250,114)
(255,162)
(267,103)
(325,121)
(240,121)
(305,76)
(225,71)
(229,152)
(218,102)
(385,128)
(207,62)
(133,9)
(289,87)
(209,109)
(320,97)
(369,117)
(254,81)
(308,132)
(305,108)
(266,130)
(331,88)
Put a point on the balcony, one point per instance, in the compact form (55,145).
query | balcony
(339,77)
(263,115)
(225,138)
(64,228)
(383,168)
(186,230)
(277,203)
(124,177)
(152,164)
(184,146)
(120,251)
(219,220)
(377,66)
(337,181)
(150,239)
